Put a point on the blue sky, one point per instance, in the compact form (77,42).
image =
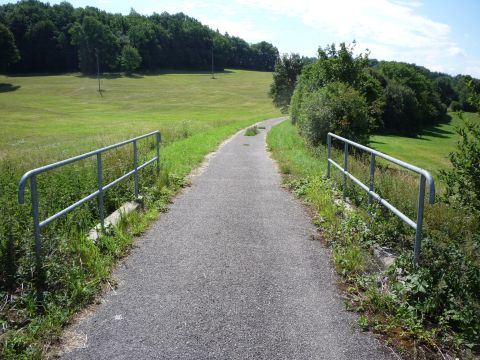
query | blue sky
(441,35)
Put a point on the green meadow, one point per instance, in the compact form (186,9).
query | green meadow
(430,149)
(50,117)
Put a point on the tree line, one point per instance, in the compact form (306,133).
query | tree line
(39,37)
(354,95)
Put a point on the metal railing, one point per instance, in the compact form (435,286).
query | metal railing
(425,176)
(32,176)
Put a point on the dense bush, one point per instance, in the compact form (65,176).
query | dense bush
(466,87)
(401,109)
(463,180)
(336,108)
(130,59)
(336,93)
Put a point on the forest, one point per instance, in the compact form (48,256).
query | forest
(37,37)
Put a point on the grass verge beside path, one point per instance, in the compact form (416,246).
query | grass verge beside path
(432,312)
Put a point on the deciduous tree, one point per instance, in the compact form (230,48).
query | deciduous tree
(8,51)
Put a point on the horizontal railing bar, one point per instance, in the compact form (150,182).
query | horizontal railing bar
(68,209)
(92,195)
(401,163)
(384,202)
(115,182)
(147,163)
(334,163)
(130,173)
(58,164)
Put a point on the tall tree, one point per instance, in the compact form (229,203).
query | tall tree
(287,69)
(44,52)
(130,59)
(8,51)
(92,37)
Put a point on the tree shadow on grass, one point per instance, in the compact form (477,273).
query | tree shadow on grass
(376,142)
(433,131)
(436,131)
(8,87)
(108,76)
(184,72)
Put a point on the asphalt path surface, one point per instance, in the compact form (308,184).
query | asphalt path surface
(230,272)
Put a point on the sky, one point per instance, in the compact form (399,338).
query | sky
(441,35)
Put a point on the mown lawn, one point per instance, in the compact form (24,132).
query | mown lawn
(64,114)
(430,149)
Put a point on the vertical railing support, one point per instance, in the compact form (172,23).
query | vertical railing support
(418,230)
(100,192)
(345,170)
(40,275)
(329,143)
(135,167)
(372,178)
(158,139)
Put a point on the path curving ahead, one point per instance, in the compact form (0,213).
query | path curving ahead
(229,272)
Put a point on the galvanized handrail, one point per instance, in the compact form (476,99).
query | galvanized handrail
(32,175)
(425,176)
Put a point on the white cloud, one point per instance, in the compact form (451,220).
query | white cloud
(385,22)
(392,30)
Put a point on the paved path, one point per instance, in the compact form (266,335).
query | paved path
(228,273)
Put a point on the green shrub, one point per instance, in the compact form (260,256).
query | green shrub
(401,110)
(463,180)
(130,59)
(251,131)
(336,108)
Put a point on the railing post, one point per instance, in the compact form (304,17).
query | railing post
(158,138)
(40,280)
(135,166)
(418,232)
(372,177)
(329,144)
(100,191)
(345,169)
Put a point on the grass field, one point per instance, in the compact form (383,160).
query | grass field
(64,114)
(429,150)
